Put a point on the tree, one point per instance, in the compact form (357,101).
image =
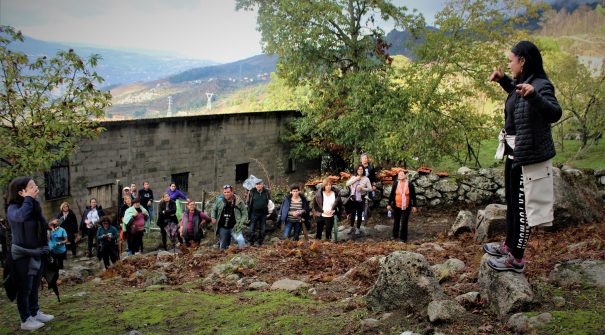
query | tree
(581,95)
(336,50)
(47,104)
(423,109)
(446,84)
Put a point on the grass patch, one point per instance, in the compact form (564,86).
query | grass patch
(593,158)
(108,308)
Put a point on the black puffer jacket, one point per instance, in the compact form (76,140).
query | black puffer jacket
(533,115)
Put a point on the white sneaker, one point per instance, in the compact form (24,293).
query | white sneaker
(31,324)
(42,317)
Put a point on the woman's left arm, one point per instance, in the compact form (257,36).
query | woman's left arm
(542,100)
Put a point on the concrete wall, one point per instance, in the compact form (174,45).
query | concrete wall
(206,146)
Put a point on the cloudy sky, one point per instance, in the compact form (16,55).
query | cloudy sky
(205,29)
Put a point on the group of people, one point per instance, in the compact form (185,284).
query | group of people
(526,142)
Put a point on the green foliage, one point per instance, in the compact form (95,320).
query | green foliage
(357,101)
(581,95)
(47,105)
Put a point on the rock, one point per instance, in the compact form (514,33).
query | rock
(382,228)
(501,194)
(370,323)
(469,299)
(81,294)
(446,185)
(454,264)
(423,181)
(599,173)
(465,222)
(210,279)
(407,332)
(97,280)
(435,202)
(465,171)
(156,278)
(478,196)
(233,277)
(162,265)
(579,272)
(238,261)
(538,322)
(577,200)
(134,332)
(481,183)
(258,285)
(421,200)
(444,310)
(490,221)
(518,323)
(505,291)
(288,284)
(405,281)
(433,177)
(559,301)
(312,291)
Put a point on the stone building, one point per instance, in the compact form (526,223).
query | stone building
(201,153)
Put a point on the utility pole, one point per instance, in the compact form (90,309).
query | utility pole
(209,103)
(169,113)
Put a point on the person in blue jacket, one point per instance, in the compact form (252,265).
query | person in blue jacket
(294,210)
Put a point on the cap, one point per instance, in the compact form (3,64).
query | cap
(126,188)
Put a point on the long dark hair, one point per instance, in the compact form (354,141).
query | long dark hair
(18,184)
(533,60)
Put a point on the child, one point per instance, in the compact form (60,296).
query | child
(56,242)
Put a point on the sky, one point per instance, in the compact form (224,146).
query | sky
(201,29)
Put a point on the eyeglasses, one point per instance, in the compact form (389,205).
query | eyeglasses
(227,186)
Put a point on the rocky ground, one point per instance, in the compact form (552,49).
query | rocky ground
(312,287)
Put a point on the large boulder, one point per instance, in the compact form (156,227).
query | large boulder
(577,198)
(490,221)
(505,291)
(579,273)
(465,222)
(405,281)
(288,284)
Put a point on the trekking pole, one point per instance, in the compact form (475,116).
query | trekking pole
(335,228)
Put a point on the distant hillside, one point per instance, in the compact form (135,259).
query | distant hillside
(118,67)
(253,67)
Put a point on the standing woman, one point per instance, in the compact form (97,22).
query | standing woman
(167,218)
(325,208)
(29,244)
(294,209)
(526,140)
(69,222)
(90,222)
(191,228)
(402,201)
(359,186)
(135,219)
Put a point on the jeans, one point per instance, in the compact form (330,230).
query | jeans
(297,228)
(27,289)
(225,236)
(356,211)
(260,221)
(92,235)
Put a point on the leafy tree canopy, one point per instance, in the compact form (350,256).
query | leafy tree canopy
(359,101)
(47,104)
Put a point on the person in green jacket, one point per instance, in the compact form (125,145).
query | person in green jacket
(229,214)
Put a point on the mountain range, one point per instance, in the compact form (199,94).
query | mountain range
(117,67)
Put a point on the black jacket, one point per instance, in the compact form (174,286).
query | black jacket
(167,213)
(532,116)
(70,223)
